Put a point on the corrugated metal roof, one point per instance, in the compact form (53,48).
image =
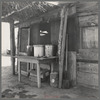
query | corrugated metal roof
(25,10)
(21,11)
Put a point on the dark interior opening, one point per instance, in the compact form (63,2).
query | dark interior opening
(45,34)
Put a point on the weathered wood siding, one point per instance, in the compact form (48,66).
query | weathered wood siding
(88,20)
(23,40)
(89,31)
(87,71)
(87,65)
(88,54)
(35,34)
(90,37)
(55,26)
(73,33)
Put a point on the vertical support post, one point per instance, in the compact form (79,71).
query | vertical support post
(29,43)
(29,36)
(59,46)
(19,71)
(12,46)
(18,44)
(61,57)
(71,69)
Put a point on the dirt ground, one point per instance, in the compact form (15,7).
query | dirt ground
(12,88)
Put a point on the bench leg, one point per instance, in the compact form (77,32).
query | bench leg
(19,71)
(38,75)
(28,68)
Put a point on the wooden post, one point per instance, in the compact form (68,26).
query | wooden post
(66,64)
(12,46)
(38,75)
(66,58)
(71,68)
(18,45)
(29,36)
(18,41)
(59,46)
(62,44)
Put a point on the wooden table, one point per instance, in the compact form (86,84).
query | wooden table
(37,61)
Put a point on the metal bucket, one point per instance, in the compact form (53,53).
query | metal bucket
(38,50)
(50,50)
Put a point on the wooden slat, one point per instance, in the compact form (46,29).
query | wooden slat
(87,78)
(88,20)
(87,6)
(87,67)
(88,54)
(12,46)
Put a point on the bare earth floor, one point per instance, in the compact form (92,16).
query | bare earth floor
(11,88)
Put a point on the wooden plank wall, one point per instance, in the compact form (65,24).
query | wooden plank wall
(87,63)
(55,26)
(34,34)
(73,33)
(87,72)
(24,40)
(88,54)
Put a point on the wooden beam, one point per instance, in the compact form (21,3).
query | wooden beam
(59,46)
(66,52)
(28,23)
(62,44)
(12,46)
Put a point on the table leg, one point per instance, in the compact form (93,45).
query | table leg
(19,71)
(52,67)
(28,68)
(38,75)
(31,66)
